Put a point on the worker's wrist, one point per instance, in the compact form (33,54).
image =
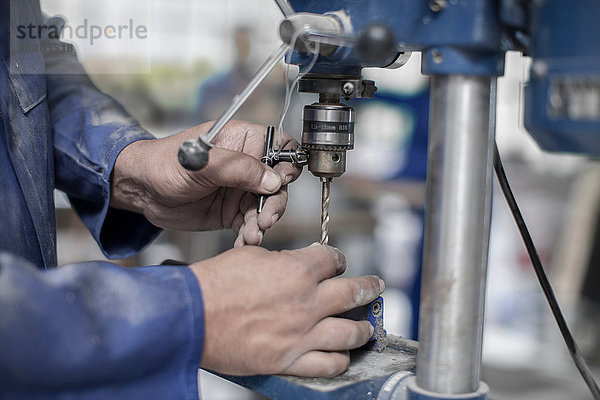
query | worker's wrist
(127,186)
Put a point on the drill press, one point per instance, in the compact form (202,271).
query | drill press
(327,133)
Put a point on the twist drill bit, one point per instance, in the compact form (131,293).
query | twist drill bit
(325,210)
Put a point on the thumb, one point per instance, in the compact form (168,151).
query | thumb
(234,169)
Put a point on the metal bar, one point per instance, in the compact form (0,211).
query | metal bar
(238,100)
(459,179)
(286,8)
(268,161)
(336,39)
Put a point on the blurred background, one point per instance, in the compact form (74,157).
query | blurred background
(198,54)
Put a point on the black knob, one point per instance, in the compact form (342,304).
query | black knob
(377,43)
(193,154)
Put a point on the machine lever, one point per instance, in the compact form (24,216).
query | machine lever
(286,8)
(193,154)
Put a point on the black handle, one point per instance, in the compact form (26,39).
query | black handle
(377,43)
(193,154)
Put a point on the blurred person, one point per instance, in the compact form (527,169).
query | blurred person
(97,330)
(218,90)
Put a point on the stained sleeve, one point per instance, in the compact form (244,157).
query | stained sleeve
(90,129)
(99,331)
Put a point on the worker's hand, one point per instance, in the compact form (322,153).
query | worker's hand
(272,312)
(148,179)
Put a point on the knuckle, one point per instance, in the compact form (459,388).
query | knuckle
(339,259)
(303,273)
(375,285)
(296,260)
(354,335)
(296,267)
(254,252)
(339,364)
(365,332)
(333,256)
(355,290)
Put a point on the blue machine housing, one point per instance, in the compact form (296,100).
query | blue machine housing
(562,103)
(469,37)
(467,32)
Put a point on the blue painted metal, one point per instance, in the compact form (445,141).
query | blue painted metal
(471,26)
(453,60)
(565,77)
(368,372)
(279,388)
(470,37)
(372,312)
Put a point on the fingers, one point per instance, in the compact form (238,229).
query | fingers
(324,261)
(250,225)
(288,172)
(319,364)
(273,209)
(239,241)
(342,294)
(238,170)
(251,233)
(336,334)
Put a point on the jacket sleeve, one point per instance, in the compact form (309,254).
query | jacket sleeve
(89,131)
(98,331)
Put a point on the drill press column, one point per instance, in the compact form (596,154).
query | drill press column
(459,179)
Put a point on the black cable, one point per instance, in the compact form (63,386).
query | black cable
(582,366)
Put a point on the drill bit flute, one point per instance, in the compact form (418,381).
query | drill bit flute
(327,133)
(326,182)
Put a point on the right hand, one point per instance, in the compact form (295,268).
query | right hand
(272,312)
(148,179)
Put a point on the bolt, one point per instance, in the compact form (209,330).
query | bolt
(437,5)
(540,69)
(348,88)
(437,56)
(376,310)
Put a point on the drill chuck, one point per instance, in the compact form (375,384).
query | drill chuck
(328,132)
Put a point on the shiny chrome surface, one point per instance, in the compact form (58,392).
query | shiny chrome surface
(457,233)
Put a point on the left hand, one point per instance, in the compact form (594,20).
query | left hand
(148,179)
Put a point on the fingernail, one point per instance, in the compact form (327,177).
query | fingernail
(381,285)
(371,330)
(274,218)
(260,237)
(315,244)
(270,181)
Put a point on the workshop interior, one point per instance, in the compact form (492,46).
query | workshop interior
(421,125)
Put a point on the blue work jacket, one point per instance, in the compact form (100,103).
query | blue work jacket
(94,330)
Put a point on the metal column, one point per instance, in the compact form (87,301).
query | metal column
(462,122)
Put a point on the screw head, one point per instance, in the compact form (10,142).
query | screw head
(437,5)
(348,88)
(540,68)
(437,56)
(376,309)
